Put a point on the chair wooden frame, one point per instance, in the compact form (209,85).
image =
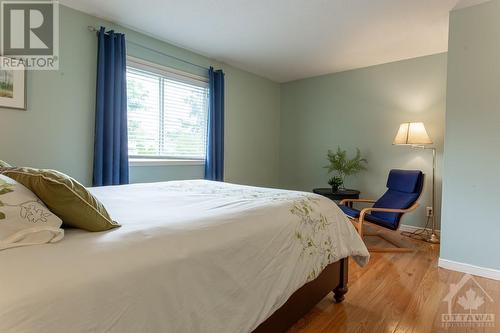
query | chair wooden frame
(359,222)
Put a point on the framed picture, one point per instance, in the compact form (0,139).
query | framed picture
(13,89)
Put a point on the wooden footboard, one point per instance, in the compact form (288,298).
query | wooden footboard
(333,278)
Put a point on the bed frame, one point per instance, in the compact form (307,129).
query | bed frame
(332,278)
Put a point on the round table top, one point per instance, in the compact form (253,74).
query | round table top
(328,191)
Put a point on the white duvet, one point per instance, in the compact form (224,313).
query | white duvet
(191,256)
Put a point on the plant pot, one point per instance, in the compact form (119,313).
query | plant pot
(335,189)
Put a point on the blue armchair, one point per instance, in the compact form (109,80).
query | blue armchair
(403,191)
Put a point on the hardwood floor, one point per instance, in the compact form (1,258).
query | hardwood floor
(402,292)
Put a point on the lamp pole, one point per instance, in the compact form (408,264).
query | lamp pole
(433,238)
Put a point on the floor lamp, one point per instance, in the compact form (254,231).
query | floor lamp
(415,135)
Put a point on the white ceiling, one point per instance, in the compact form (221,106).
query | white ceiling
(286,40)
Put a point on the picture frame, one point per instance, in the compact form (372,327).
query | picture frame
(13,89)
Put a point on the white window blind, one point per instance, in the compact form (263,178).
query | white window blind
(167,113)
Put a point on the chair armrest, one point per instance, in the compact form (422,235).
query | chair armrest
(344,201)
(365,211)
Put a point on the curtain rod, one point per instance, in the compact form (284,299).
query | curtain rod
(94,29)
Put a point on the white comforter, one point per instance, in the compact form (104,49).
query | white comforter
(191,256)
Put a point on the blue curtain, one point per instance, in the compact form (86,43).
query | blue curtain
(111,142)
(214,164)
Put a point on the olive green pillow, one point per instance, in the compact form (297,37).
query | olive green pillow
(65,197)
(4,164)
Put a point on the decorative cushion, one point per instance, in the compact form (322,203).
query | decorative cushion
(65,197)
(4,164)
(24,219)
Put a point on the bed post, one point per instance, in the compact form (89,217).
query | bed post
(341,289)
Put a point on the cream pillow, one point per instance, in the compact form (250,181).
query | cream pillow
(24,219)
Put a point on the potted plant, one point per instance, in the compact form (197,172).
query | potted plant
(335,182)
(343,166)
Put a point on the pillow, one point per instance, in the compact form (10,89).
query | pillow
(24,219)
(65,197)
(4,164)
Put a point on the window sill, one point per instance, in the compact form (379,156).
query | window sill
(134,162)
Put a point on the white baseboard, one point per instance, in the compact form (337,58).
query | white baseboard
(410,228)
(489,273)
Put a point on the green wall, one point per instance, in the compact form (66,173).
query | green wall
(57,130)
(253,129)
(363,108)
(471,188)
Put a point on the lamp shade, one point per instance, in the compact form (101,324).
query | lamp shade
(412,134)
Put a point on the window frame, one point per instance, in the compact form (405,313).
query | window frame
(169,73)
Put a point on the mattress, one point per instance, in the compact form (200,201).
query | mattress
(191,256)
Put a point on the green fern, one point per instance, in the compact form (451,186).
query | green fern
(344,166)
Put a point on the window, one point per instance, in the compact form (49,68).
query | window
(167,113)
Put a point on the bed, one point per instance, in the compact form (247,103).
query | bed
(191,256)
